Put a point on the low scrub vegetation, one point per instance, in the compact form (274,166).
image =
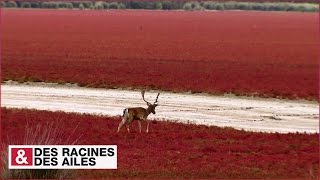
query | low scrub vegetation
(278,62)
(175,150)
(167,5)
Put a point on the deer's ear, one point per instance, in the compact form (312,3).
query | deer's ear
(155,105)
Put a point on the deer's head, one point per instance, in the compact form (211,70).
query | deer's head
(151,107)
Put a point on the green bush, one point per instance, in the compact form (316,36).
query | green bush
(106,5)
(190,6)
(143,5)
(100,5)
(158,5)
(187,6)
(122,6)
(168,5)
(114,5)
(69,6)
(230,5)
(25,5)
(35,4)
(65,5)
(76,4)
(213,5)
(81,6)
(11,4)
(267,6)
(50,5)
(87,4)
(244,6)
(306,7)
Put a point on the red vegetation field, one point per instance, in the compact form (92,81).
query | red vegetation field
(247,53)
(173,150)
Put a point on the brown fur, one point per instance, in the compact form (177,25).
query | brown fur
(137,113)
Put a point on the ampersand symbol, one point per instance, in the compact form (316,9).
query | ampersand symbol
(20,159)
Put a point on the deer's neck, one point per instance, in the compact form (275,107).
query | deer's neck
(148,110)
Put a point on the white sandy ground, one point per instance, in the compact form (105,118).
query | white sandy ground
(253,114)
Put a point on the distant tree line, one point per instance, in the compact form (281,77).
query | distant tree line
(165,5)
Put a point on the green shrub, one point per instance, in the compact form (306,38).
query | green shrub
(122,6)
(81,6)
(259,6)
(266,6)
(114,5)
(26,5)
(50,5)
(65,5)
(190,6)
(105,5)
(100,5)
(168,5)
(69,6)
(35,4)
(187,6)
(135,5)
(75,4)
(87,4)
(11,4)
(303,7)
(243,6)
(213,5)
(158,5)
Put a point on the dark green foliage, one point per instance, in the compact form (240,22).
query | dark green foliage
(101,5)
(65,5)
(11,4)
(167,5)
(194,5)
(122,6)
(50,5)
(76,4)
(143,5)
(114,5)
(87,4)
(35,4)
(25,5)
(81,6)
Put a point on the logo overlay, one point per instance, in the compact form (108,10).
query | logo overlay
(62,157)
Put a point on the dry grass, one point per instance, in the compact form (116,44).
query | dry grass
(48,133)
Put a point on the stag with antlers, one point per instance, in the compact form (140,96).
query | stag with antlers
(138,113)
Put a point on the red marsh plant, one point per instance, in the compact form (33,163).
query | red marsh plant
(175,150)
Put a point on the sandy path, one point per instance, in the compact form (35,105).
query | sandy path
(254,114)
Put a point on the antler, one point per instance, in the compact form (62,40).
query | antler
(142,93)
(156,99)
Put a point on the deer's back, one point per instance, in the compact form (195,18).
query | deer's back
(137,112)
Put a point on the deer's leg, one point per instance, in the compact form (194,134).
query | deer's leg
(147,126)
(128,122)
(121,124)
(128,128)
(139,123)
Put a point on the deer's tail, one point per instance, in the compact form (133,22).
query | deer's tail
(124,112)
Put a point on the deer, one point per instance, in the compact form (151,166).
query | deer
(138,113)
